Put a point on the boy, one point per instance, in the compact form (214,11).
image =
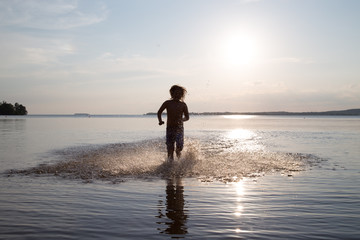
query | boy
(177,113)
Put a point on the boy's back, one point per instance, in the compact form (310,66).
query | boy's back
(175,111)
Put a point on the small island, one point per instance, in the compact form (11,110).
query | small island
(9,109)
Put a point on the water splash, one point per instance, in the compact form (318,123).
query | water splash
(206,160)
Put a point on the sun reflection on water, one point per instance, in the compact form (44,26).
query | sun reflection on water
(242,134)
(244,140)
(239,116)
(240,191)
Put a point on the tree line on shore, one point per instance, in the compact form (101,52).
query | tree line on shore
(348,112)
(10,109)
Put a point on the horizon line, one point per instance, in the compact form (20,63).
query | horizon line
(355,110)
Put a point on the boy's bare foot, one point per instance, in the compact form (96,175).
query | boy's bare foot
(170,157)
(178,154)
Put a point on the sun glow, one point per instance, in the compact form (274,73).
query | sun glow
(240,50)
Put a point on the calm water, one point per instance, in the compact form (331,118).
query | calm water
(240,177)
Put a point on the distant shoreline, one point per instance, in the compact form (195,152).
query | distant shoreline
(349,112)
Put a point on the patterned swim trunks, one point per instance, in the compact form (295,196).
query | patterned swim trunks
(175,135)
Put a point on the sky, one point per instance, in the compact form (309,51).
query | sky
(122,57)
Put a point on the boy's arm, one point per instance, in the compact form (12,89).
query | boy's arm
(186,113)
(161,109)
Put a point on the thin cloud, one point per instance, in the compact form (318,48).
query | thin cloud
(350,92)
(18,49)
(291,60)
(249,1)
(46,55)
(56,14)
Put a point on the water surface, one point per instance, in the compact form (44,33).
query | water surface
(239,177)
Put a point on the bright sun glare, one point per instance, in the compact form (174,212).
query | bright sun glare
(240,50)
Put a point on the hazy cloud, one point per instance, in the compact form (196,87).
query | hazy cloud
(54,14)
(46,55)
(249,1)
(291,60)
(17,49)
(350,92)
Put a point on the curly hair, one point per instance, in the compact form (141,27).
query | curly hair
(177,92)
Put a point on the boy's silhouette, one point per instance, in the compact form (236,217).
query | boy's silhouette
(177,113)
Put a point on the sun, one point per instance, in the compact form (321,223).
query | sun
(239,50)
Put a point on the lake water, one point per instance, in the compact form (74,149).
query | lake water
(239,177)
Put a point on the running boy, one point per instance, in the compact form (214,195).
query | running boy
(177,113)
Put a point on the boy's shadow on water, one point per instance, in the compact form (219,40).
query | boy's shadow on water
(172,213)
(175,217)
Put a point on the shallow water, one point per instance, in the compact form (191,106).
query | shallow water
(219,159)
(247,178)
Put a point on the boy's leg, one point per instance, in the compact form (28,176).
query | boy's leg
(170,142)
(179,141)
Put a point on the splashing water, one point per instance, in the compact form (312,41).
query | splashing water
(206,160)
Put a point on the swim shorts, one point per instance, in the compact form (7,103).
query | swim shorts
(175,135)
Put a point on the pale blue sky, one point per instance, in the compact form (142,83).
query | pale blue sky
(113,57)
